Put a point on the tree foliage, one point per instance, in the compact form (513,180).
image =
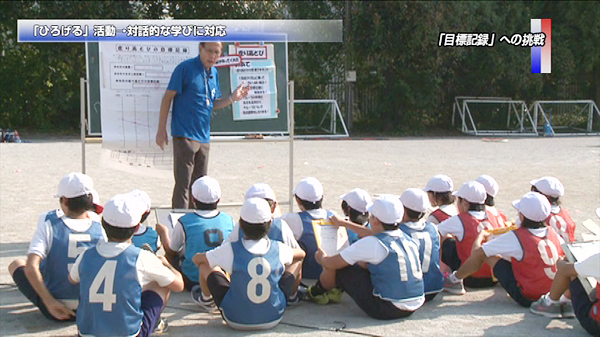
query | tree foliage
(40,82)
(405,81)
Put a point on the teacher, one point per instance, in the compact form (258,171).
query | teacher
(194,91)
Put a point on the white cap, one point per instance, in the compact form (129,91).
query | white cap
(206,189)
(144,197)
(358,199)
(260,190)
(255,210)
(123,211)
(309,189)
(473,192)
(549,186)
(74,185)
(387,208)
(490,184)
(533,206)
(439,183)
(415,199)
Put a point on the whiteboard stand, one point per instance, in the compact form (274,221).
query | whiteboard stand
(291,134)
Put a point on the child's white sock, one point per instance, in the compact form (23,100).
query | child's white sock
(549,300)
(452,277)
(564,299)
(206,298)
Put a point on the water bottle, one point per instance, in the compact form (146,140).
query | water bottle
(547,130)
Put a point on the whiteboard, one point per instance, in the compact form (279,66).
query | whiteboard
(222,123)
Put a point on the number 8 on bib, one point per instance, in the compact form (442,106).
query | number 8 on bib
(254,296)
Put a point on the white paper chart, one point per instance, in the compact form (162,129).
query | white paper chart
(258,71)
(133,80)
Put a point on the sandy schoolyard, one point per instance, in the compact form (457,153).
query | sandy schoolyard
(30,172)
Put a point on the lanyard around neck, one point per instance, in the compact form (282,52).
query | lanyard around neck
(206,88)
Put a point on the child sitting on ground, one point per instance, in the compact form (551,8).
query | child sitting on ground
(464,228)
(197,232)
(309,197)
(255,296)
(560,218)
(279,229)
(533,250)
(416,203)
(123,289)
(382,273)
(439,190)
(60,237)
(354,205)
(496,218)
(145,237)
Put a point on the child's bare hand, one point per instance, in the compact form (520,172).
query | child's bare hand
(319,255)
(59,310)
(336,220)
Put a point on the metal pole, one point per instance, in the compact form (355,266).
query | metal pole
(453,112)
(291,150)
(590,116)
(82,121)
(348,64)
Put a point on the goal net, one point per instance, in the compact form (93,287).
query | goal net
(317,118)
(575,117)
(493,116)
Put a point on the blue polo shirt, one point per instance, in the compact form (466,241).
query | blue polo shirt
(197,89)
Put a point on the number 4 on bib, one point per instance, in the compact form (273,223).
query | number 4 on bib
(106,276)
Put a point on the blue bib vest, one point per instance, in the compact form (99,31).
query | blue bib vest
(429,254)
(311,269)
(398,277)
(254,296)
(201,235)
(275,231)
(150,236)
(104,311)
(66,246)
(352,236)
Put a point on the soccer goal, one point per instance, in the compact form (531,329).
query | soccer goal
(567,118)
(493,116)
(318,118)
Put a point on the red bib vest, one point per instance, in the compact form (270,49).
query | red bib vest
(537,268)
(464,247)
(562,224)
(497,221)
(440,215)
(595,311)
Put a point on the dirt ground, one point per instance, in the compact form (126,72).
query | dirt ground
(30,172)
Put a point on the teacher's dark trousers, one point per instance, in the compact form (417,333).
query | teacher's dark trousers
(190,162)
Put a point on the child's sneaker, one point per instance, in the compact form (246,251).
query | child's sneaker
(318,299)
(455,288)
(161,327)
(294,300)
(545,308)
(334,295)
(206,305)
(566,310)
